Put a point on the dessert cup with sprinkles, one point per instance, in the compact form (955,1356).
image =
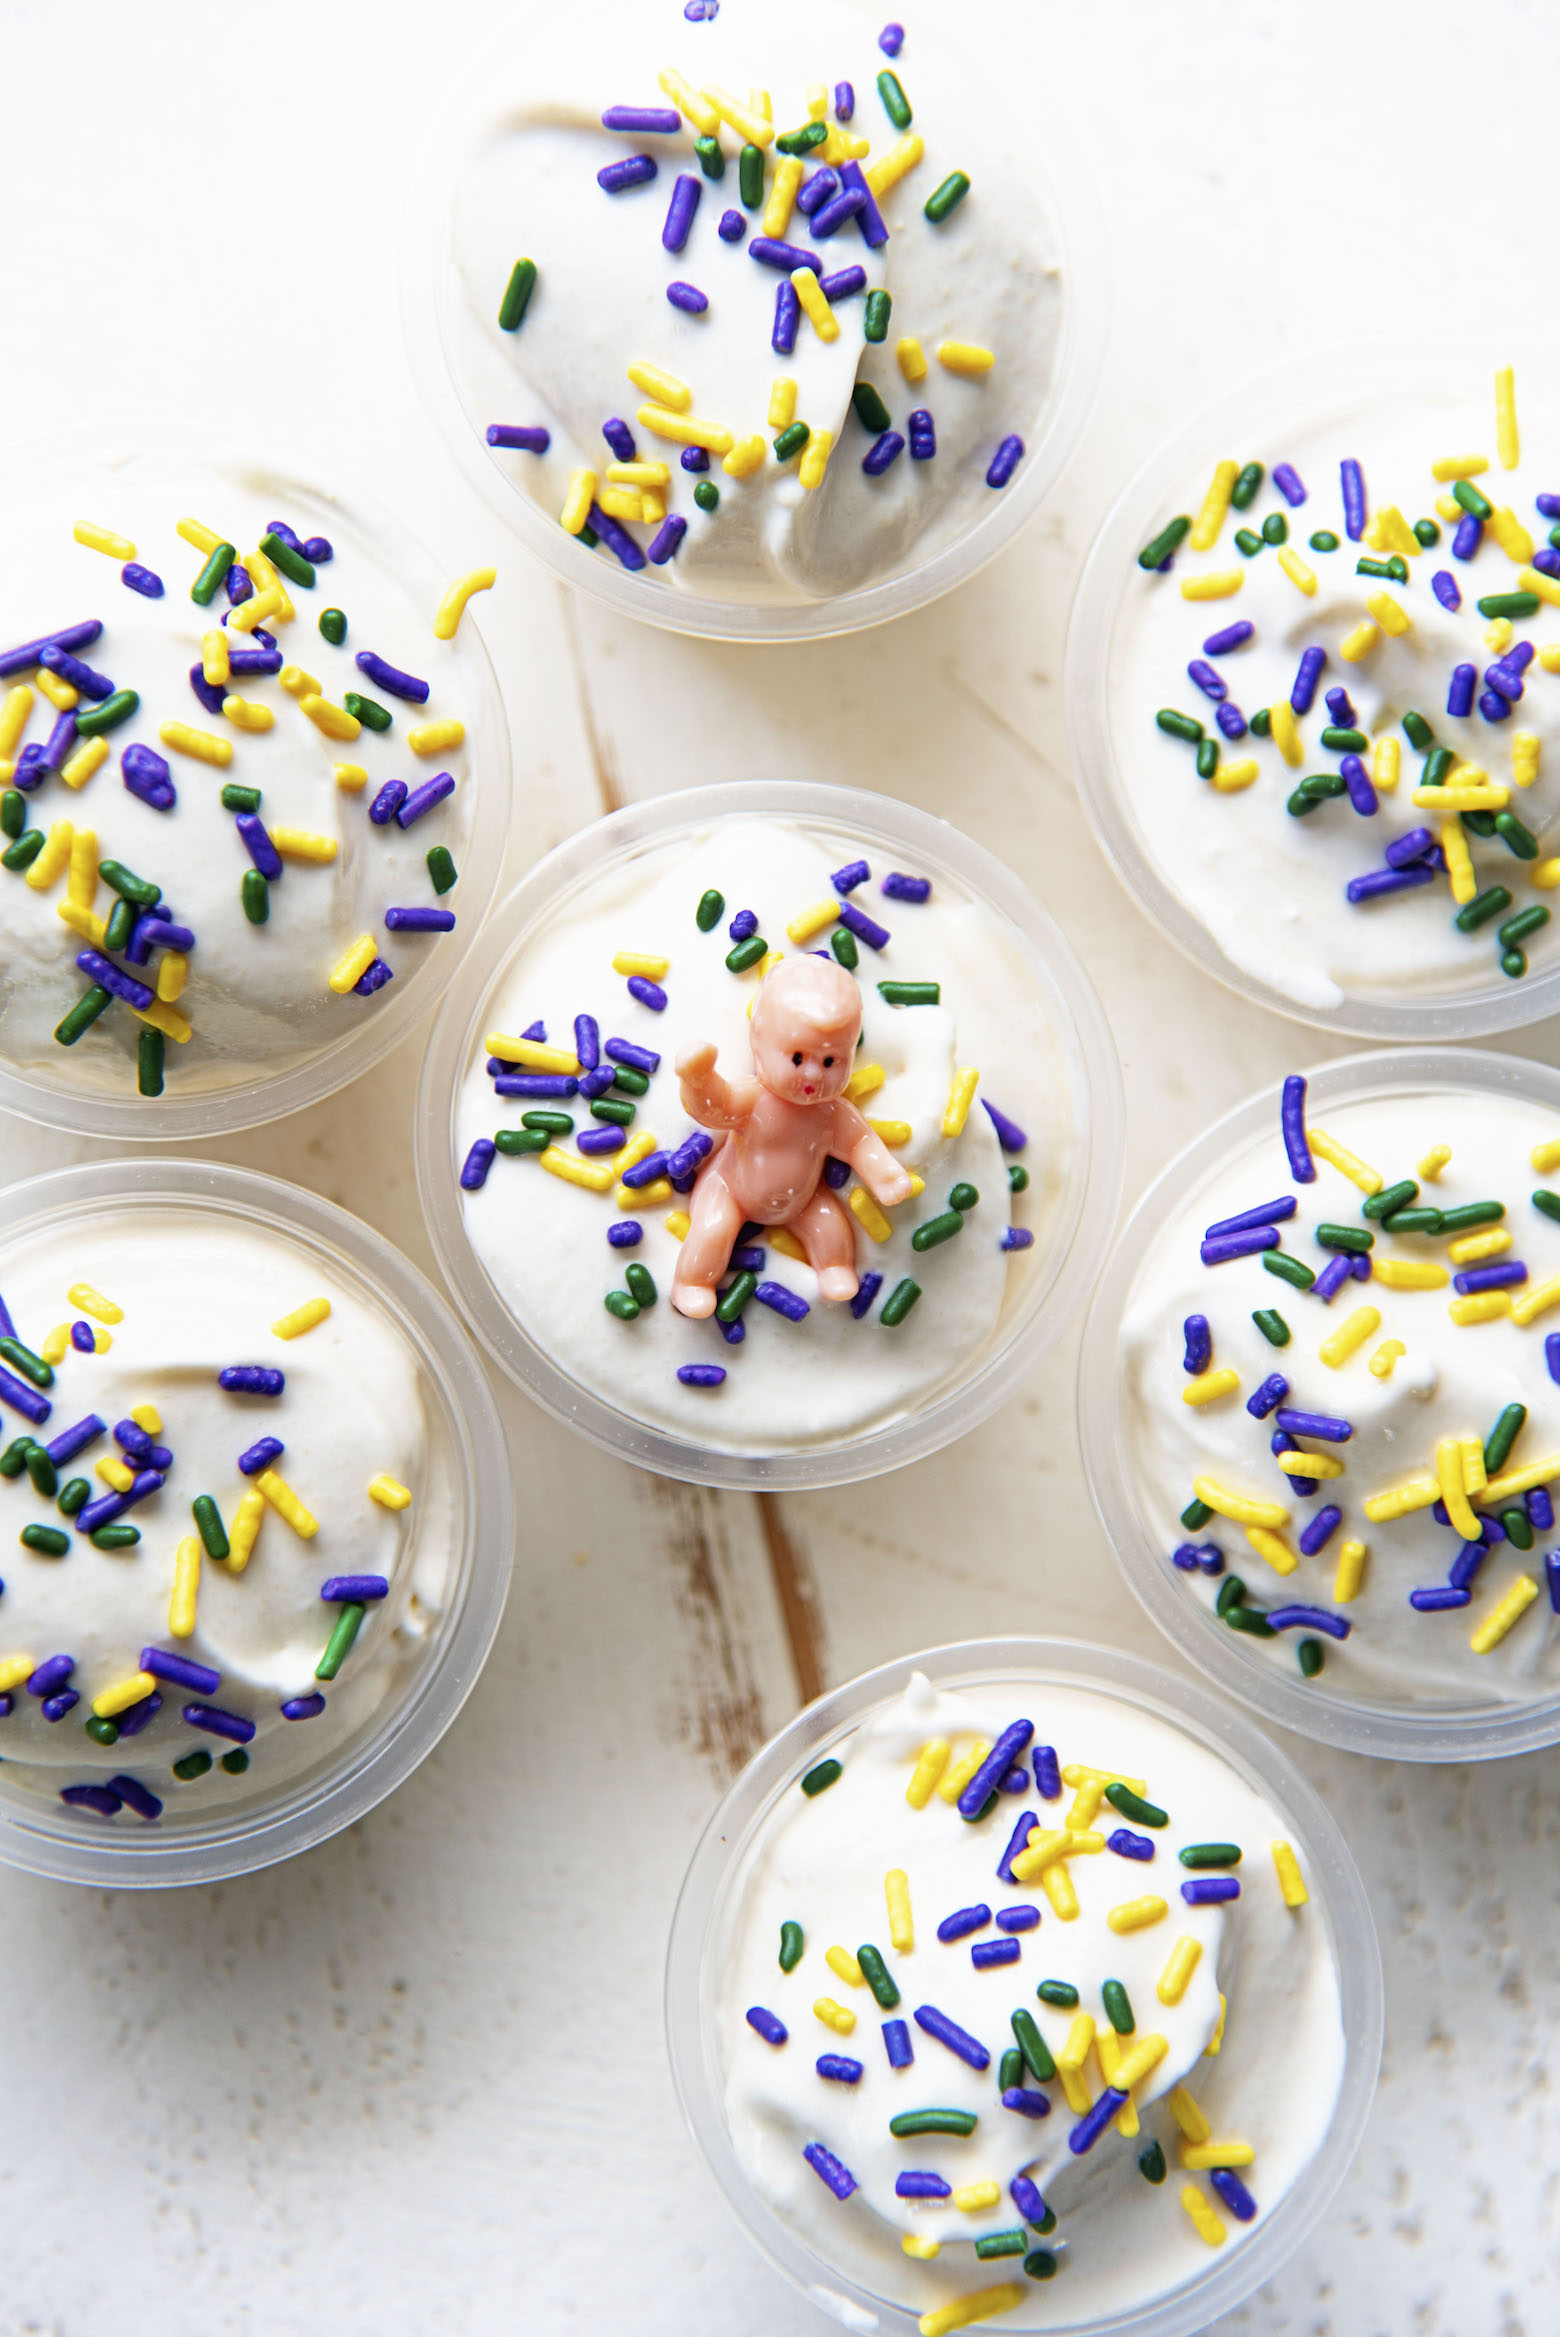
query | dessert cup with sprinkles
(260,1521)
(971,2028)
(562,1146)
(1319,1403)
(254,782)
(749,325)
(1313,684)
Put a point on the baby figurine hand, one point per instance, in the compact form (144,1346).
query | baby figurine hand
(696,1060)
(893,1185)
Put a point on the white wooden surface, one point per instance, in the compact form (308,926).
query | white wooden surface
(416,2079)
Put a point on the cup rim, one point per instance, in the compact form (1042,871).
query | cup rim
(1094,1182)
(1336,1889)
(429,278)
(311,1807)
(1386,1731)
(50,458)
(1370,369)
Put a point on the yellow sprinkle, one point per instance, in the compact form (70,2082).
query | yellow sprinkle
(448,614)
(1546,1156)
(186,1582)
(1500,1619)
(198,744)
(388,1493)
(593,1176)
(1286,732)
(1137,1914)
(1524,757)
(968,358)
(165,1018)
(148,1417)
(1350,1574)
(901,1923)
(1389,614)
(1215,508)
(1359,644)
(1321,1465)
(816,304)
(1387,763)
(815,459)
(1297,571)
(1431,1166)
(1292,1885)
(435,738)
(1492,1241)
(1351,1334)
(1457,799)
(1217,2039)
(688,102)
(953,1782)
(686,429)
(1545,874)
(622,503)
(677,1223)
(1417,1493)
(817,102)
(536,1055)
(1449,1476)
(103,539)
(1076,1771)
(14,710)
(1408,1274)
(1184,1959)
(1080,2037)
(911,357)
(1057,1885)
(834,2016)
(59,693)
(82,921)
(351,778)
(54,859)
(286,1504)
(1197,2155)
(1230,778)
(637,1148)
(782,196)
(933,1760)
(1546,587)
(123,1694)
(249,714)
(780,1238)
(901,158)
(14,1672)
(970,2198)
(1086,1806)
(782,402)
(353,964)
(1396,534)
(747,456)
(1536,1302)
(1214,584)
(1459,466)
(980,2304)
(1485,1306)
(1188,2116)
(257,611)
(1349,1164)
(1509,532)
(215,664)
(55,1344)
(1272,1548)
(960,1097)
(746,120)
(868,1215)
(303,1318)
(1459,860)
(630,961)
(1075,2084)
(845,1967)
(1473,1476)
(204,539)
(91,1302)
(301,844)
(244,1531)
(1508,441)
(1390,1352)
(577,503)
(917,2245)
(812,922)
(1240,1508)
(1141,2056)
(1209,1384)
(115,1473)
(1514,1481)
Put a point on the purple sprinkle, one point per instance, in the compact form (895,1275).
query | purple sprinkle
(146,774)
(1231,721)
(31,768)
(1016,1780)
(962,1922)
(1357,779)
(666,539)
(767,2024)
(1021,1918)
(844,283)
(101,1798)
(1025,2196)
(619,437)
(1265,1213)
(70,1441)
(1287,480)
(1552,1355)
(390,677)
(1268,1397)
(923,436)
(71,669)
(1229,637)
(891,39)
(7,1325)
(838,2066)
(529,438)
(906,888)
(828,2169)
(1459,695)
(1126,1844)
(920,2182)
(538,1086)
(1547,561)
(1281,1442)
(643,121)
(645,1172)
(1199,1344)
(97,969)
(1048,1773)
(1292,1119)
(1505,1276)
(24,1399)
(1008,1748)
(135,1796)
(647,992)
(250,1379)
(55,1708)
(867,1291)
(50,1675)
(690,1152)
(1211,1890)
(1378,882)
(1309,1619)
(846,879)
(734,1333)
(1227,1246)
(1352,479)
(627,1234)
(137,1716)
(1360,1268)
(897,2044)
(748,1258)
(1208,678)
(704,1375)
(352,1588)
(420,920)
(1439,1599)
(947,2032)
(817,190)
(180,1672)
(788,315)
(1184,1558)
(81,1339)
(423,799)
(257,843)
(1093,2124)
(1234,2193)
(1494,708)
(218,1723)
(1026,2102)
(1016,1841)
(159,932)
(1321,1529)
(239,587)
(303,1707)
(1469,536)
(1540,1509)
(145,581)
(1446,588)
(1005,461)
(1303,696)
(731,228)
(687,297)
(1016,1237)
(474,1172)
(60,740)
(254,661)
(587,1041)
(1404,850)
(78,636)
(617,539)
(1549,505)
(632,1057)
(1341,707)
(376,977)
(771,251)
(1552,1576)
(784,1302)
(1322,1425)
(634,170)
(864,928)
(987,1953)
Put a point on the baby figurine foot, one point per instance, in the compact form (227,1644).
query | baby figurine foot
(837,1282)
(693,1299)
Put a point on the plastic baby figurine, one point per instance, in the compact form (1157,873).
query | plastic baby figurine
(779,1128)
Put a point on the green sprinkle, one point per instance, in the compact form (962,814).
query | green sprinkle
(236,1762)
(48,1541)
(1288,1269)
(1262,722)
(1272,1325)
(1344,742)
(895,103)
(150,1049)
(911,2122)
(1310,1657)
(369,712)
(1438,767)
(731,1301)
(899,1301)
(1482,908)
(1548,1203)
(1169,539)
(236,798)
(74,1496)
(936,1230)
(14,1459)
(1518,1525)
(1207,758)
(1507,1428)
(103,1732)
(589,538)
(844,947)
(746,953)
(292,564)
(1424,1220)
(116,1537)
(1118,2007)
(516,1141)
(1504,604)
(1184,726)
(1467,494)
(1427,532)
(1197,1855)
(24,851)
(1516,929)
(820,1779)
(641,1283)
(333,625)
(791,441)
(711,909)
(1517,838)
(608,1107)
(750,176)
(791,1940)
(1377,568)
(1323,541)
(1471,1214)
(555,1123)
(1391,1197)
(441,868)
(1554,539)
(208,1524)
(44,1475)
(947,197)
(1232,1591)
(871,412)
(1195,1515)
(1513,962)
(255,894)
(204,589)
(878,1977)
(1275,528)
(339,1645)
(712,160)
(964,1198)
(627,1081)
(120,926)
(517,295)
(1008,2243)
(1249,543)
(1018,1177)
(1010,2069)
(1418,731)
(1061,1993)
(1478,823)
(1151,2163)
(125,881)
(13,812)
(1036,2052)
(30,1366)
(1351,1238)
(910,993)
(192,1765)
(802,141)
(1252,1621)
(1133,1806)
(83,1015)
(1247,483)
(875,315)
(1323,786)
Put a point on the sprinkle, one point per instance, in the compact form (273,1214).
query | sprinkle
(303,1318)
(1291,1884)
(216,1722)
(961,2312)
(1136,1914)
(1501,1618)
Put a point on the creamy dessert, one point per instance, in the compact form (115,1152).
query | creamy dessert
(230,1519)
(234,780)
(596,1121)
(1023,1984)
(1331,703)
(761,311)
(1339,1395)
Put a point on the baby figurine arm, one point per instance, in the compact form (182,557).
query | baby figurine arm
(708,1098)
(869,1156)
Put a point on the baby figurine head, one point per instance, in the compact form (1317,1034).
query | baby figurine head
(805,1027)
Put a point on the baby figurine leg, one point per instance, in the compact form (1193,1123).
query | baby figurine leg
(715,1222)
(825,1230)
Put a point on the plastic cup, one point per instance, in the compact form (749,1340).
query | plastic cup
(439,345)
(1432,1731)
(1082,1212)
(262,1824)
(1175,477)
(710,1898)
(240,1094)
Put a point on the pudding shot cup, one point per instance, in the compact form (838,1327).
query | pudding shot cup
(261,1522)
(560,1171)
(899,2055)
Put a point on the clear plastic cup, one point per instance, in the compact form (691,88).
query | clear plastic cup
(1370,377)
(1432,1731)
(707,1909)
(237,1094)
(1058,168)
(1082,1208)
(262,1824)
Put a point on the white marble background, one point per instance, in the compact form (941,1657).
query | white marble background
(415,2079)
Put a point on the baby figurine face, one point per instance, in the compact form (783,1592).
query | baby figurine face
(805,1028)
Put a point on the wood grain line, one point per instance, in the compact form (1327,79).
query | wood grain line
(721,1713)
(602,764)
(801,1609)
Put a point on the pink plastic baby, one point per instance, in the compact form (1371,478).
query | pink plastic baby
(780,1126)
